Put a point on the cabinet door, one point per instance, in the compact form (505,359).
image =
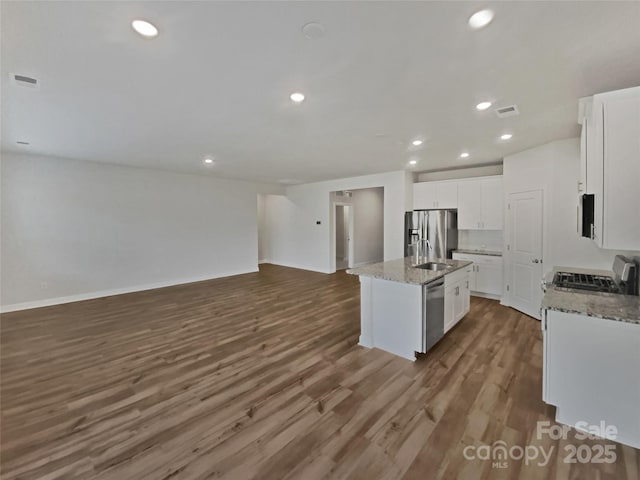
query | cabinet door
(489,279)
(425,195)
(593,149)
(582,179)
(470,205)
(447,194)
(621,229)
(466,294)
(459,302)
(449,308)
(492,204)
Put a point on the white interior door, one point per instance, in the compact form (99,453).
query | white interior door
(524,264)
(348,221)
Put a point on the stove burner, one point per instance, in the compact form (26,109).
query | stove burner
(583,281)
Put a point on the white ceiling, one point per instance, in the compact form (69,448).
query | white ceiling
(218,77)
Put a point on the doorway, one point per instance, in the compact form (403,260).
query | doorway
(524,250)
(344,235)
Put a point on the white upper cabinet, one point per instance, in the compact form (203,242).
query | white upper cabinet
(492,204)
(611,151)
(480,204)
(621,137)
(447,194)
(469,206)
(433,195)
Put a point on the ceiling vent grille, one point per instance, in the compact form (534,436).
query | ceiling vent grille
(24,81)
(509,111)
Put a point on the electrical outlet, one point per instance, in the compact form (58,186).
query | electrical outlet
(44,285)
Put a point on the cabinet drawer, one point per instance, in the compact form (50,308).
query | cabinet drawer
(456,277)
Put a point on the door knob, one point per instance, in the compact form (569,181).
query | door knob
(535,260)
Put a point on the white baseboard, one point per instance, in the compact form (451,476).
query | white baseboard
(116,291)
(490,296)
(291,265)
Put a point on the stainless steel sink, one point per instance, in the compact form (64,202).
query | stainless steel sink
(433,266)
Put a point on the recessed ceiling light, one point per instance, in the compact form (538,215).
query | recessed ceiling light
(297,97)
(483,105)
(480,19)
(412,162)
(506,136)
(464,155)
(144,28)
(313,30)
(417,143)
(208,161)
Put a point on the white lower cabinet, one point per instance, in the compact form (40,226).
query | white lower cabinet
(486,273)
(456,297)
(590,372)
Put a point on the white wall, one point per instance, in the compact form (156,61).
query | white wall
(73,229)
(297,240)
(471,172)
(554,167)
(342,227)
(481,239)
(263,237)
(368,225)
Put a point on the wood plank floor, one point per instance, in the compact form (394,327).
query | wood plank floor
(260,376)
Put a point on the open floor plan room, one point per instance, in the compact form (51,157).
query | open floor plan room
(191,382)
(319,240)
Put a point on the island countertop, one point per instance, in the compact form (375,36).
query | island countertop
(403,270)
(610,306)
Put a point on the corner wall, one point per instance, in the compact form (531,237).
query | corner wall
(74,229)
(554,168)
(297,240)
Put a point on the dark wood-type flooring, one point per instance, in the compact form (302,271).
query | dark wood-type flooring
(260,376)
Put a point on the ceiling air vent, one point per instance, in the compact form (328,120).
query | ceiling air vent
(509,111)
(24,81)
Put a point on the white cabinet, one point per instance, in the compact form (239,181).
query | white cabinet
(456,297)
(590,371)
(480,204)
(610,149)
(433,195)
(469,206)
(486,273)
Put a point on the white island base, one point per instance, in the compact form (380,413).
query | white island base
(391,312)
(391,316)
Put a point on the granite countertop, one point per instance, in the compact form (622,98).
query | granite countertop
(493,253)
(610,306)
(404,270)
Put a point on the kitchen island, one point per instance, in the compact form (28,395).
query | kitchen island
(591,358)
(407,305)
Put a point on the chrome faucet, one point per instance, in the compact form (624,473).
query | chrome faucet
(420,250)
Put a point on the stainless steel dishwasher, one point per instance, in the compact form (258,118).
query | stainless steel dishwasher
(432,313)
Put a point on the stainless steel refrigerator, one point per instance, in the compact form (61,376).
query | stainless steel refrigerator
(440,227)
